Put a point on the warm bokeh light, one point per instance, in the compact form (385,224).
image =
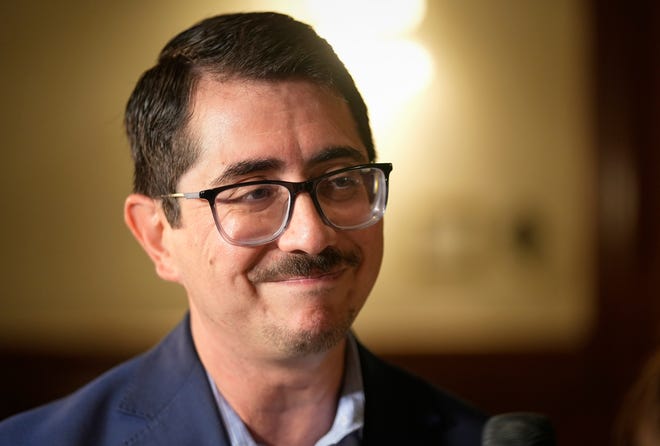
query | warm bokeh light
(362,17)
(374,42)
(387,86)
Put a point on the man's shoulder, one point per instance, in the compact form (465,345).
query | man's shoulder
(404,407)
(124,403)
(76,418)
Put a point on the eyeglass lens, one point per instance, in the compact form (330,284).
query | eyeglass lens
(258,213)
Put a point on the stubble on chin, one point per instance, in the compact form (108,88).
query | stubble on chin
(303,342)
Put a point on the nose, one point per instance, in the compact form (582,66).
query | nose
(306,233)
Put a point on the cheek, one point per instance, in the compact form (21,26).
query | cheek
(198,252)
(215,277)
(371,245)
(225,266)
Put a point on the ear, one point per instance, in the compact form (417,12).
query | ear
(145,218)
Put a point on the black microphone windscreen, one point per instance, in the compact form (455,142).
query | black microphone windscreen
(518,429)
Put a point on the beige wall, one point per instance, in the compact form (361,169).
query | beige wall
(499,142)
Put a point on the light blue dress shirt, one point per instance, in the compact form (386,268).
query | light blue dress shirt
(346,429)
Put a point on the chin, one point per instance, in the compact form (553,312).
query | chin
(318,338)
(310,344)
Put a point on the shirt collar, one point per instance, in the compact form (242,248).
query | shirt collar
(349,418)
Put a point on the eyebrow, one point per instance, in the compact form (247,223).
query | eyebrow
(332,153)
(246,167)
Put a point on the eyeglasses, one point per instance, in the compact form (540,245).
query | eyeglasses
(258,212)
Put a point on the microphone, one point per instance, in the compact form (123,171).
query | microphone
(518,429)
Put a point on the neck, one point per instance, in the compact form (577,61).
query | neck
(289,401)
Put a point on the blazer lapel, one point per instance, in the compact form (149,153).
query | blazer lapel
(403,409)
(398,409)
(172,394)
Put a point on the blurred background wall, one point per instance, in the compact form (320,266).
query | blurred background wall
(521,265)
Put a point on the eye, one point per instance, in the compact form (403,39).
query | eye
(249,195)
(257,194)
(344,181)
(340,188)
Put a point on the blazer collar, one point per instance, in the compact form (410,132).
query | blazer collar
(171,393)
(399,409)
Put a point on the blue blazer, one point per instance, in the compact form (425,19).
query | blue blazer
(163,398)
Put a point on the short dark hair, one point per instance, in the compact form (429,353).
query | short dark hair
(255,46)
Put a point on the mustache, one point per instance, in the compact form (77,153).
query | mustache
(304,265)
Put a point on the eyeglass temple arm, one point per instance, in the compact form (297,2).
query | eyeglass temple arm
(182,195)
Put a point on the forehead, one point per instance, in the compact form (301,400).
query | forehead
(289,122)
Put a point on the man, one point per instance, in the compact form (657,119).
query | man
(256,189)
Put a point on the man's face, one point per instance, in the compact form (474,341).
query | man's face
(285,130)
